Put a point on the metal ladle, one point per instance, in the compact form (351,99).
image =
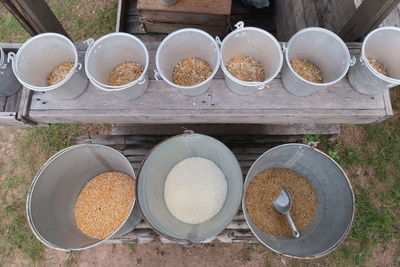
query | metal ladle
(283,204)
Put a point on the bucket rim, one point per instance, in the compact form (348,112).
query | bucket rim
(44,88)
(169,36)
(340,41)
(184,241)
(345,234)
(255,84)
(364,59)
(2,57)
(35,180)
(111,88)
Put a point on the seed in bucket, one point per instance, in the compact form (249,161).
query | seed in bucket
(59,73)
(125,73)
(378,67)
(265,188)
(191,71)
(104,203)
(307,70)
(246,69)
(195,190)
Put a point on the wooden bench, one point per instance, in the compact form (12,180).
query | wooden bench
(246,148)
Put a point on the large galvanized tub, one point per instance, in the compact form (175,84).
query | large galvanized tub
(335,208)
(55,188)
(151,181)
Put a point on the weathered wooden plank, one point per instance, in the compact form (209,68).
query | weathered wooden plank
(38,15)
(206,116)
(20,18)
(249,129)
(160,96)
(2,103)
(179,17)
(121,15)
(207,7)
(393,19)
(9,119)
(367,17)
(13,101)
(165,27)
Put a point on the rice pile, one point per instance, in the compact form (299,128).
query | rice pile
(195,190)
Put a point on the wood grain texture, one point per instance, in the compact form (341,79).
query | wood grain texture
(221,7)
(165,27)
(367,17)
(9,119)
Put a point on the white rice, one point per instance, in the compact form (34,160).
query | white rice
(195,190)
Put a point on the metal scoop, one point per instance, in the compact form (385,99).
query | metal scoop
(283,204)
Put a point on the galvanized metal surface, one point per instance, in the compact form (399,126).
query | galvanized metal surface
(110,50)
(182,44)
(335,210)
(55,188)
(43,53)
(383,45)
(321,47)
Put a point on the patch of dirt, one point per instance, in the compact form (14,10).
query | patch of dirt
(385,255)
(364,177)
(351,135)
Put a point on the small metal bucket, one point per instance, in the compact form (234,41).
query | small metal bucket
(335,207)
(9,84)
(321,47)
(55,188)
(38,56)
(110,50)
(257,44)
(383,45)
(183,44)
(154,171)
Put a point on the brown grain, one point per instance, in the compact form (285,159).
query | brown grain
(125,73)
(191,71)
(265,188)
(59,73)
(104,203)
(307,70)
(246,69)
(379,67)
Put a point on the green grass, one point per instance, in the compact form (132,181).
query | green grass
(10,30)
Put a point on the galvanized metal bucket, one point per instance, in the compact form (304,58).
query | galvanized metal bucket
(9,84)
(110,50)
(38,56)
(321,47)
(55,188)
(335,207)
(182,44)
(154,171)
(257,44)
(383,45)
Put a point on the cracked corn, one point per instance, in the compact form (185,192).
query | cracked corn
(59,73)
(246,69)
(265,188)
(125,73)
(307,70)
(104,203)
(191,71)
(379,67)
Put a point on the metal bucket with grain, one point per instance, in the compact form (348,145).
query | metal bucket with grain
(9,84)
(154,171)
(182,44)
(257,44)
(324,49)
(335,201)
(382,45)
(55,188)
(104,54)
(41,54)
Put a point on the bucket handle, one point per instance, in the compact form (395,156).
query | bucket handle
(157,75)
(11,57)
(78,67)
(89,42)
(261,86)
(218,41)
(284,47)
(141,80)
(353,61)
(239,25)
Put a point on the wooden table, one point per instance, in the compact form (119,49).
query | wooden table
(162,104)
(246,148)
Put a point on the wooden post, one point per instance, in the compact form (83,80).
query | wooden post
(367,17)
(35,16)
